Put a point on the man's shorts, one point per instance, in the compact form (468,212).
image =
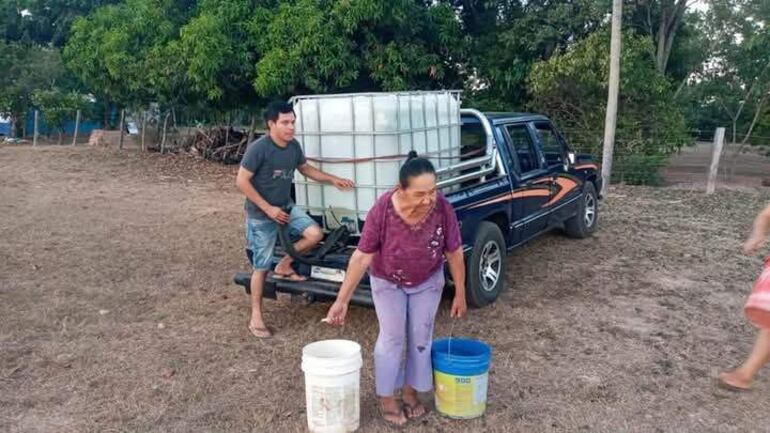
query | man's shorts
(262,233)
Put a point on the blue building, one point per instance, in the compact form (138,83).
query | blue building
(5,126)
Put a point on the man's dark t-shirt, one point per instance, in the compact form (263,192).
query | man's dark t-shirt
(273,167)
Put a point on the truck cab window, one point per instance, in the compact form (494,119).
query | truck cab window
(473,140)
(523,147)
(551,145)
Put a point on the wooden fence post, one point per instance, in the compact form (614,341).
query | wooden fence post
(719,141)
(165,126)
(77,125)
(144,126)
(34,133)
(122,126)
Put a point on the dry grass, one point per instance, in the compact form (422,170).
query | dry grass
(98,248)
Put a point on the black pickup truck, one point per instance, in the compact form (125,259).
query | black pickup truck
(535,183)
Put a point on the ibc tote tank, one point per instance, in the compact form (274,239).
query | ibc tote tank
(365,137)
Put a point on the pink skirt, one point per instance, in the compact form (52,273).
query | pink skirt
(757,307)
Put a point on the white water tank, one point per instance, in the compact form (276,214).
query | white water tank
(366,137)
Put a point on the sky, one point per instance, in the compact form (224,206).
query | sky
(700,5)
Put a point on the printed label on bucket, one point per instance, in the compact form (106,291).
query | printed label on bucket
(332,406)
(461,396)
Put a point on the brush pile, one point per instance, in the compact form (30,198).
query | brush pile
(220,144)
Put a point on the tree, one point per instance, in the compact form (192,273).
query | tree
(28,69)
(109,50)
(322,46)
(572,86)
(220,52)
(58,106)
(661,21)
(506,38)
(734,87)
(42,22)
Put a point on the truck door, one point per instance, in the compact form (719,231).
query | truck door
(565,188)
(531,182)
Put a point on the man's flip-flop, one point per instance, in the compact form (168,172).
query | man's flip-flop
(260,332)
(292,276)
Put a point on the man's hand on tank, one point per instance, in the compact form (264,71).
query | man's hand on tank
(343,184)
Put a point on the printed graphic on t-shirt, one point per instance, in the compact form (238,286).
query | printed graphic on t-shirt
(283,174)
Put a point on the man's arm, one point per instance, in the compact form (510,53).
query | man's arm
(323,177)
(243,182)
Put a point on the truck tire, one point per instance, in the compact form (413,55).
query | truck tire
(486,266)
(583,223)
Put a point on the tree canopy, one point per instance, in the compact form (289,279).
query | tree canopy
(683,69)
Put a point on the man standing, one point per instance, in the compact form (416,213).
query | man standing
(265,178)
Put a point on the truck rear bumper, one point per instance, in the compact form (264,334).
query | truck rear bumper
(312,290)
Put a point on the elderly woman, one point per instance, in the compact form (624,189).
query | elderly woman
(407,236)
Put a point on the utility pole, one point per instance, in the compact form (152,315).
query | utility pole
(611,120)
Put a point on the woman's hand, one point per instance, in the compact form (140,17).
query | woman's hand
(459,307)
(337,313)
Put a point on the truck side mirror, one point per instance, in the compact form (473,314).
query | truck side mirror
(571,157)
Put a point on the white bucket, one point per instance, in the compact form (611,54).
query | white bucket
(332,380)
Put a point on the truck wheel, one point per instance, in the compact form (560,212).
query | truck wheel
(583,223)
(486,266)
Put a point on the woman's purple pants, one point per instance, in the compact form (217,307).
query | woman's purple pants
(406,316)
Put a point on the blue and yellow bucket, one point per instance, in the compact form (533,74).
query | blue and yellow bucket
(460,374)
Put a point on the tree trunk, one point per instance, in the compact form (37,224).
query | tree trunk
(661,44)
(735,121)
(670,18)
(611,119)
(13,126)
(757,115)
(227,131)
(106,123)
(251,128)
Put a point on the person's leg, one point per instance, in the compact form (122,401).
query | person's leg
(742,377)
(300,224)
(390,306)
(421,315)
(260,239)
(257,323)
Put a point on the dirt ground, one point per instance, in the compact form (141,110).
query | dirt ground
(117,311)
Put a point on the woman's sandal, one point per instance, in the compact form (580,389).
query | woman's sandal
(411,409)
(390,418)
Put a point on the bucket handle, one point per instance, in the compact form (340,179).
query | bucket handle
(341,330)
(451,336)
